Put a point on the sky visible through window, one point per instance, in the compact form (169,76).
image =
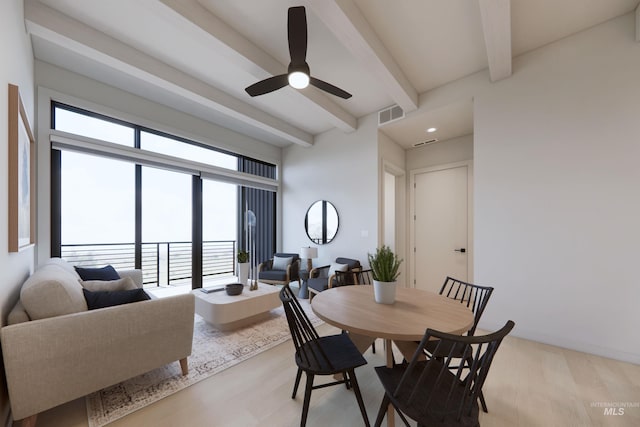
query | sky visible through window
(98,200)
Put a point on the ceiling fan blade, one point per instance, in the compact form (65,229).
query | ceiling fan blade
(328,87)
(297,33)
(267,85)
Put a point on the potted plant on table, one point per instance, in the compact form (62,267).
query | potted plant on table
(384,266)
(243,266)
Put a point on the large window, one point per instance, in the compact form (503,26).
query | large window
(76,121)
(188,151)
(97,199)
(154,210)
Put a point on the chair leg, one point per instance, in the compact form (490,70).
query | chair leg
(467,364)
(295,385)
(307,399)
(382,411)
(356,389)
(184,366)
(483,403)
(29,421)
(373,347)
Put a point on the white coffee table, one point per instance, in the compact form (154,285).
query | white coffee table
(227,312)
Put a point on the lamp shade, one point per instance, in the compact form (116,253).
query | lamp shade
(309,252)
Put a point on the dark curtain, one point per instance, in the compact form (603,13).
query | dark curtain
(263,204)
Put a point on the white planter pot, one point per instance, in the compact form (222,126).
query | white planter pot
(384,292)
(243,273)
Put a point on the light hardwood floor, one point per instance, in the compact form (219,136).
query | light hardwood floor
(530,384)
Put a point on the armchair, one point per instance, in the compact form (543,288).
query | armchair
(322,278)
(277,271)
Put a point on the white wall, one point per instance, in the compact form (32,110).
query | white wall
(17,69)
(340,168)
(393,162)
(555,152)
(62,85)
(440,153)
(556,157)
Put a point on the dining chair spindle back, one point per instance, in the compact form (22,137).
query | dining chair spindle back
(434,392)
(316,355)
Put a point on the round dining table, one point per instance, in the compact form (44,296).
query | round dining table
(353,308)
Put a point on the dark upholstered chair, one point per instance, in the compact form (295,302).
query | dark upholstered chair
(315,355)
(322,278)
(434,392)
(273,273)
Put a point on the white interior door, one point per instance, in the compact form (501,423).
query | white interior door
(441,226)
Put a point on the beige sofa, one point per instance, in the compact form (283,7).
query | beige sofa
(55,350)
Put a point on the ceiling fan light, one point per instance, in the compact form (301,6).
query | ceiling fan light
(298,80)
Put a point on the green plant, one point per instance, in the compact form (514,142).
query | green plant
(384,265)
(243,256)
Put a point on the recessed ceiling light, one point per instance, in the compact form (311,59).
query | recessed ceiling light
(431,130)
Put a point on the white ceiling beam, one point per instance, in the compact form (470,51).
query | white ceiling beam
(254,60)
(346,21)
(496,26)
(638,23)
(59,29)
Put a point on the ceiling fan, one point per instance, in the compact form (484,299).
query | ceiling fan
(298,75)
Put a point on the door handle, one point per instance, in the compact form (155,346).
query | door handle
(463,250)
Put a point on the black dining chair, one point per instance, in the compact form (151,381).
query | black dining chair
(315,355)
(356,277)
(475,297)
(364,277)
(435,392)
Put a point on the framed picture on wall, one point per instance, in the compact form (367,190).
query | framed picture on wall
(21,175)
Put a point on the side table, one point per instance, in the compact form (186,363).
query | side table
(304,290)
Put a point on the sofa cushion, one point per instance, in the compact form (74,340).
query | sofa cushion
(273,275)
(281,263)
(102,299)
(352,263)
(18,314)
(62,264)
(103,273)
(124,284)
(52,291)
(337,267)
(318,283)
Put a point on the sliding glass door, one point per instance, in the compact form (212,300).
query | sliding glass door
(174,208)
(219,225)
(97,201)
(166,226)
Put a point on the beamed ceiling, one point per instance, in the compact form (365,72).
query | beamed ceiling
(199,55)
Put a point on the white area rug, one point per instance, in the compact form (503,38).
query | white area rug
(213,351)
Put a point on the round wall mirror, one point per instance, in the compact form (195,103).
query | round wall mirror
(321,222)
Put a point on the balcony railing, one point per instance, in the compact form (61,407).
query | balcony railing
(163,263)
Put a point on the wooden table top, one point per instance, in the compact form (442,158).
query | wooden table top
(353,308)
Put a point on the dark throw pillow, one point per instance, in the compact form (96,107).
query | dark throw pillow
(102,299)
(104,273)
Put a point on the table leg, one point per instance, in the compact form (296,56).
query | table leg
(388,345)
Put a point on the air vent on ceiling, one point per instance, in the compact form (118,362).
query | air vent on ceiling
(427,142)
(390,114)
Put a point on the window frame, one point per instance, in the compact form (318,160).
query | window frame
(239,177)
